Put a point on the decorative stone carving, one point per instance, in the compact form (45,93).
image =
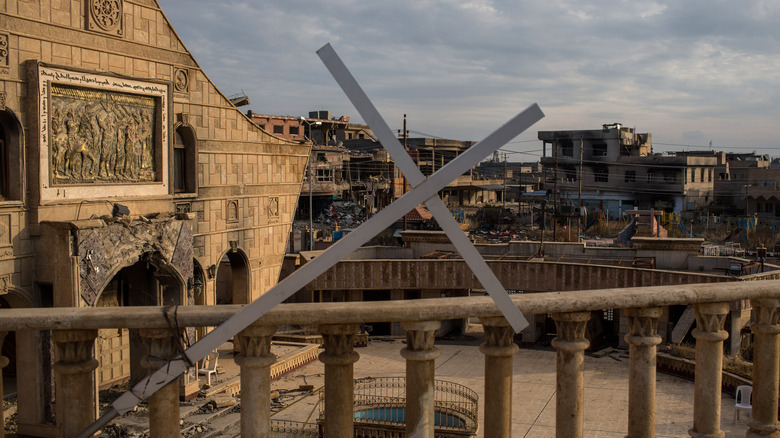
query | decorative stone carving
(570,329)
(76,351)
(273,206)
(338,340)
(181,80)
(256,341)
(643,326)
(710,319)
(102,250)
(231,214)
(105,16)
(160,347)
(2,99)
(184,118)
(499,337)
(3,50)
(766,312)
(183,207)
(5,283)
(101,136)
(420,340)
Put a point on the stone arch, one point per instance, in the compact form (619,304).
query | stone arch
(143,281)
(184,158)
(11,156)
(233,278)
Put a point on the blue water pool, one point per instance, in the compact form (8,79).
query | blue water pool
(398,416)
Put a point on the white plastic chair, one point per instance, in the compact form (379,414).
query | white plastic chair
(743,401)
(209,367)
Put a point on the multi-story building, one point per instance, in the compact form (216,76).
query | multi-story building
(761,195)
(732,177)
(614,169)
(128,179)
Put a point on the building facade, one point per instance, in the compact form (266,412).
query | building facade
(614,170)
(127,179)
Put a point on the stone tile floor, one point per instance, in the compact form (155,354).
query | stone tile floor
(606,389)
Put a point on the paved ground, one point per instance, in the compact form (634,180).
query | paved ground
(606,389)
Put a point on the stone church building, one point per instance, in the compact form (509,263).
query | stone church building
(126,178)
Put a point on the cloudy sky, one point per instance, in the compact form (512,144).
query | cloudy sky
(689,72)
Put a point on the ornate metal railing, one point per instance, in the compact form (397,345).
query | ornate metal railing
(74,331)
(455,405)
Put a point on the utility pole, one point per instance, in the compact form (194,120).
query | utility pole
(503,195)
(581,225)
(555,193)
(311,206)
(405,134)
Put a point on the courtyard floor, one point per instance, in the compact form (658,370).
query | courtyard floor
(606,389)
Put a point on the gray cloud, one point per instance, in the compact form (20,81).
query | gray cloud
(461,68)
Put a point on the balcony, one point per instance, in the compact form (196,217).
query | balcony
(75,330)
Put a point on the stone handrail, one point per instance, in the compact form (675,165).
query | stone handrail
(69,318)
(75,330)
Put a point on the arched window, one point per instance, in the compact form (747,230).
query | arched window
(11,187)
(183,160)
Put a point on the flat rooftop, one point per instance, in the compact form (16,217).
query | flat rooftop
(533,404)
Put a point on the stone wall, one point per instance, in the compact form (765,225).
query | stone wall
(246,180)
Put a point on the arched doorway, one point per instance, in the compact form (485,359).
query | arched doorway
(144,283)
(232,286)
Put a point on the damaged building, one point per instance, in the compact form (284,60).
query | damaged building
(128,179)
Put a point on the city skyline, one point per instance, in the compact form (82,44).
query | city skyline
(687,73)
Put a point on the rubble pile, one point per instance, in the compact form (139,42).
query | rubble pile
(345,214)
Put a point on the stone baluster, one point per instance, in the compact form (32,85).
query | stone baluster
(642,339)
(75,391)
(709,335)
(164,413)
(570,345)
(255,361)
(4,361)
(420,354)
(498,348)
(339,357)
(766,375)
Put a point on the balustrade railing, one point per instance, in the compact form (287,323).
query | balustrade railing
(75,329)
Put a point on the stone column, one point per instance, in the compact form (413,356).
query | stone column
(339,357)
(709,335)
(4,361)
(164,413)
(642,339)
(420,354)
(570,344)
(766,375)
(75,391)
(255,361)
(499,347)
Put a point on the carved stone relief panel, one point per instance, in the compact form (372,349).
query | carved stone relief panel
(101,135)
(181,80)
(2,100)
(98,130)
(105,16)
